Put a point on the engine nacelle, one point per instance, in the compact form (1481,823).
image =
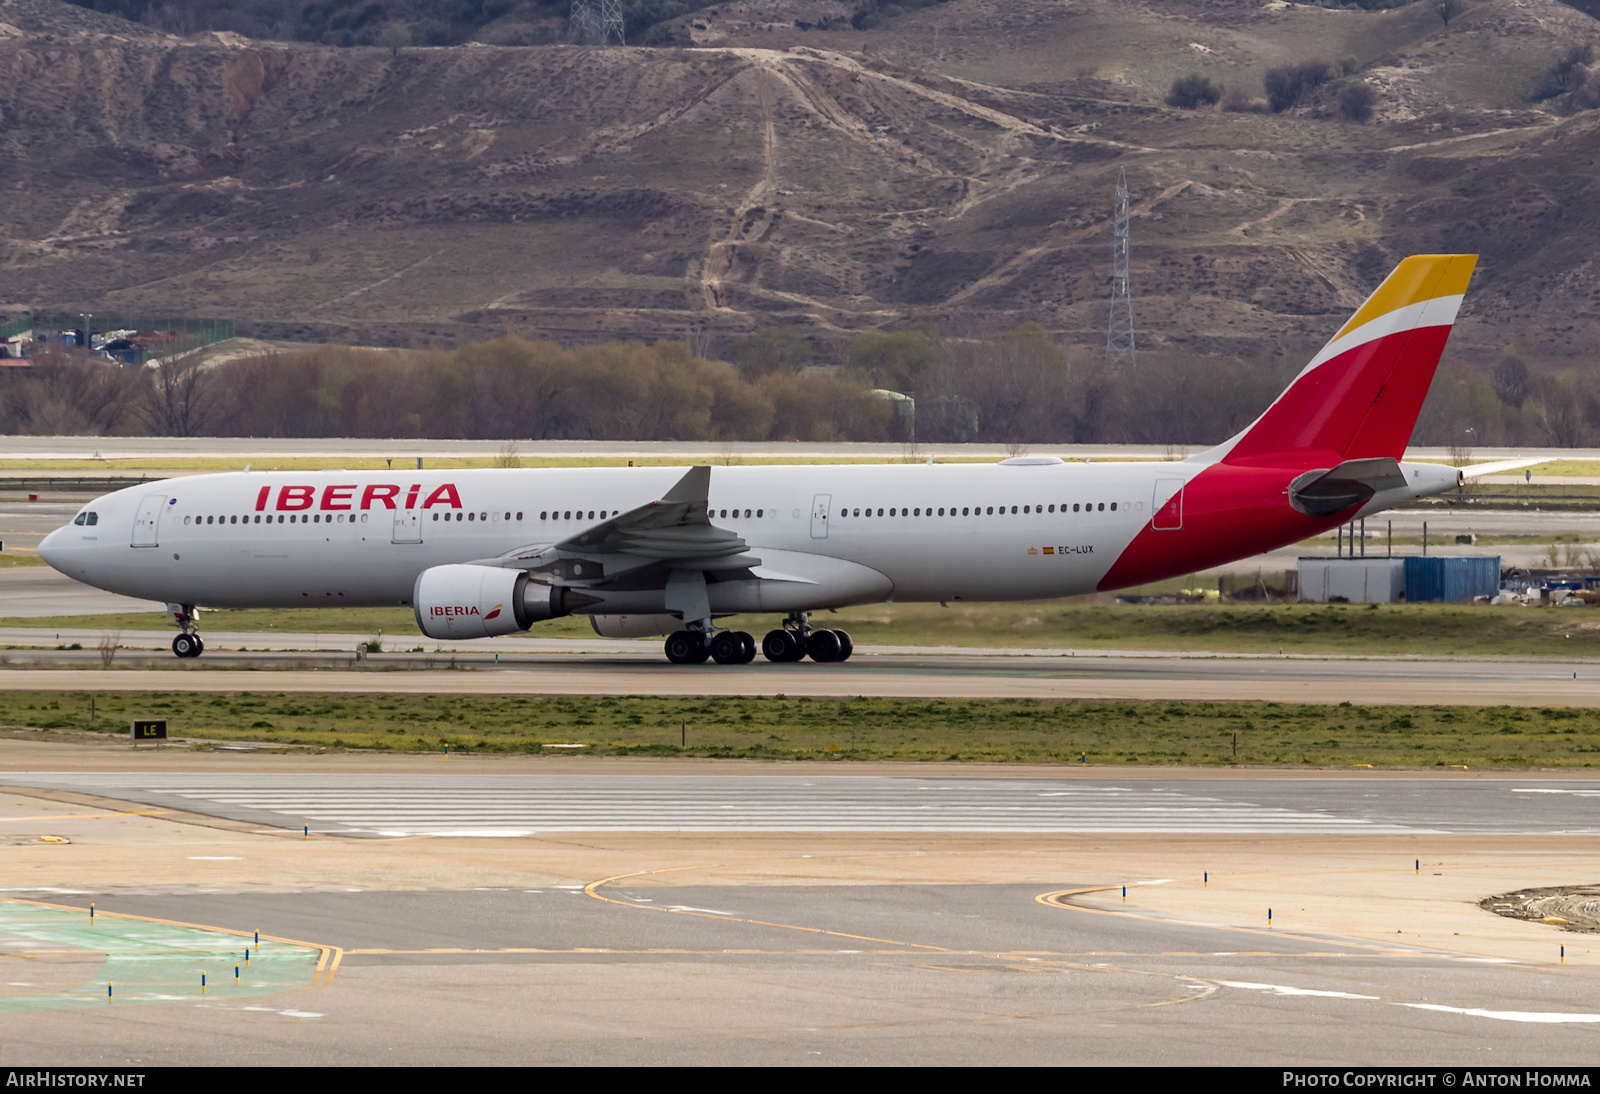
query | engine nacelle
(481,601)
(634,626)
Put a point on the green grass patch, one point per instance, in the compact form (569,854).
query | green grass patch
(17,558)
(993,730)
(1358,629)
(1355,629)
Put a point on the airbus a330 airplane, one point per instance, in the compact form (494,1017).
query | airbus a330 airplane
(646,551)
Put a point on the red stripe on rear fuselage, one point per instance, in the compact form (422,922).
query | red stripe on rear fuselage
(1359,404)
(1229,513)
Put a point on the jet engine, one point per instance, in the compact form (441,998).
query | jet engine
(482,601)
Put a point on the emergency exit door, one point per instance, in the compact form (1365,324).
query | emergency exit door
(1167,505)
(819,515)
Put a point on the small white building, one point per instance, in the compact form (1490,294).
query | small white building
(1357,580)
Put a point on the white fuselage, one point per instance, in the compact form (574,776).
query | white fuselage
(296,539)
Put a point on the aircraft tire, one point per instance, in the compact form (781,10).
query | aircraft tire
(727,649)
(847,647)
(780,646)
(682,647)
(749,646)
(186,645)
(824,646)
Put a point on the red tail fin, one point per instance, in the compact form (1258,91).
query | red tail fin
(1360,396)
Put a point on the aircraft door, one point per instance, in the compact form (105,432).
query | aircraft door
(819,515)
(1168,505)
(147,518)
(407,526)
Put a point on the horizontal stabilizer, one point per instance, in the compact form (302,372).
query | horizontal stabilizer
(1322,493)
(1500,467)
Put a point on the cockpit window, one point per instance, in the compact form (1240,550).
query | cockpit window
(94,518)
(81,518)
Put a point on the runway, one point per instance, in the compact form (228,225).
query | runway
(746,913)
(918,975)
(435,804)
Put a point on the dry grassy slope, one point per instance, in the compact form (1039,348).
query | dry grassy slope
(956,166)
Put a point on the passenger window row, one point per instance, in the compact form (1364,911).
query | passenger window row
(322,518)
(571,514)
(293,518)
(979,510)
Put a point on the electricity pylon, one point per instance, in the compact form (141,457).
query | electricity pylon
(1119,333)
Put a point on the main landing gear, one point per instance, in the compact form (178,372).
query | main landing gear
(796,645)
(725,648)
(795,641)
(187,643)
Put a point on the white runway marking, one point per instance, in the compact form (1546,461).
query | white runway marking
(1543,1017)
(1281,989)
(511,805)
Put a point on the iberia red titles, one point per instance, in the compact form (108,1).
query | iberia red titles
(337,497)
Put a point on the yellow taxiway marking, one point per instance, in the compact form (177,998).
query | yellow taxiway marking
(591,888)
(327,960)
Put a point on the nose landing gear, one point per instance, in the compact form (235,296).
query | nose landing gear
(188,642)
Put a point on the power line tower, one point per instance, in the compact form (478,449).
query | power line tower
(595,22)
(1119,334)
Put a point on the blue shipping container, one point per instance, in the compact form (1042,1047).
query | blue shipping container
(1451,579)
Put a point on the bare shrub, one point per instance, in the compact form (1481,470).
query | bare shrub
(1288,85)
(1511,380)
(1237,102)
(1569,72)
(1448,9)
(510,455)
(1193,91)
(110,641)
(1355,101)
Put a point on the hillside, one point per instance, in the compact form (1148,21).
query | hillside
(952,165)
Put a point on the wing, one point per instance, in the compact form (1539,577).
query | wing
(674,533)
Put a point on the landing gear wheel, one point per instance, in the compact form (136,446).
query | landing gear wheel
(187,645)
(846,646)
(781,647)
(685,648)
(199,644)
(748,645)
(825,646)
(727,649)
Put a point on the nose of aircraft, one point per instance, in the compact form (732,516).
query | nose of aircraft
(50,547)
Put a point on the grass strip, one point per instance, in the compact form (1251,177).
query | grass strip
(977,730)
(1352,629)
